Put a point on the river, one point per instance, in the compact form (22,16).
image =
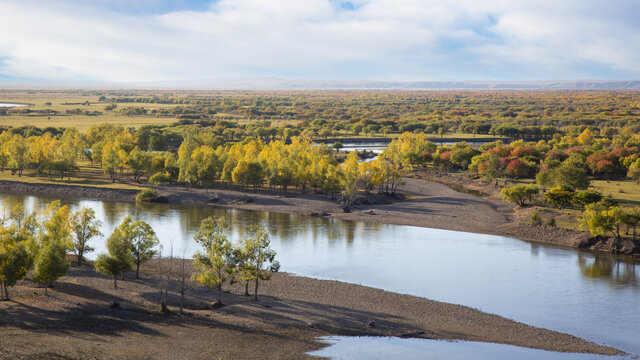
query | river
(6,105)
(593,296)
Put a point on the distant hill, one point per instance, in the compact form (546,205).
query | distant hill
(283,84)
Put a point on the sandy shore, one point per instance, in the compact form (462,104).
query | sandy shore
(76,322)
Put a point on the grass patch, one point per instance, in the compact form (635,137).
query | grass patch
(626,191)
(87,175)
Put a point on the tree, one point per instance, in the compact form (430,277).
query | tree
(258,258)
(571,172)
(139,162)
(214,263)
(18,151)
(85,226)
(15,258)
(111,266)
(110,161)
(601,220)
(141,239)
(560,196)
(186,173)
(587,197)
(519,194)
(634,171)
(161,177)
(350,180)
(51,263)
(119,258)
(56,239)
(204,164)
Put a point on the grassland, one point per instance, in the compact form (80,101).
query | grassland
(62,101)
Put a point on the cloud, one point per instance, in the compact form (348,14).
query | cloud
(319,39)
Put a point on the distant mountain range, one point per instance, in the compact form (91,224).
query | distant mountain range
(283,84)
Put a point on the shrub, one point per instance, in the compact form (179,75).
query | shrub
(146,195)
(535,218)
(551,222)
(519,194)
(587,197)
(560,196)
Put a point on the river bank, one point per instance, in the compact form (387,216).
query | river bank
(77,320)
(425,202)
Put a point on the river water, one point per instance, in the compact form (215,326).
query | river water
(10,105)
(593,296)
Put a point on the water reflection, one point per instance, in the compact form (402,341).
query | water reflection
(611,269)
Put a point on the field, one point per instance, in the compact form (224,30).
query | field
(63,101)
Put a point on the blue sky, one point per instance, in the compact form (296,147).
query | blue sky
(405,40)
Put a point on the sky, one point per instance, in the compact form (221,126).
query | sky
(394,40)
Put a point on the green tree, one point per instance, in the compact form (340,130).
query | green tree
(161,177)
(111,266)
(51,263)
(85,226)
(110,161)
(560,196)
(141,239)
(587,197)
(520,194)
(55,240)
(214,264)
(571,172)
(601,221)
(119,258)
(15,258)
(259,259)
(139,162)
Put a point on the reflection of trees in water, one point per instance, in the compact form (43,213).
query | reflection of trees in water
(610,268)
(180,222)
(113,212)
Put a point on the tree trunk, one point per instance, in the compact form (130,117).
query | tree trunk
(4,291)
(137,269)
(255,294)
(246,289)
(115,281)
(219,297)
(80,257)
(181,302)
(45,289)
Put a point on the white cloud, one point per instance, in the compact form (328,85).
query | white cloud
(378,39)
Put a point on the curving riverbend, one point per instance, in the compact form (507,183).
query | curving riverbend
(581,293)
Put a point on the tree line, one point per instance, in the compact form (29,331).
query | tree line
(203,159)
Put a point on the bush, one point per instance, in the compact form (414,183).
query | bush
(587,197)
(519,194)
(535,218)
(551,222)
(146,195)
(560,196)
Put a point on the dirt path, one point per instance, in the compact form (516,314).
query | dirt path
(76,322)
